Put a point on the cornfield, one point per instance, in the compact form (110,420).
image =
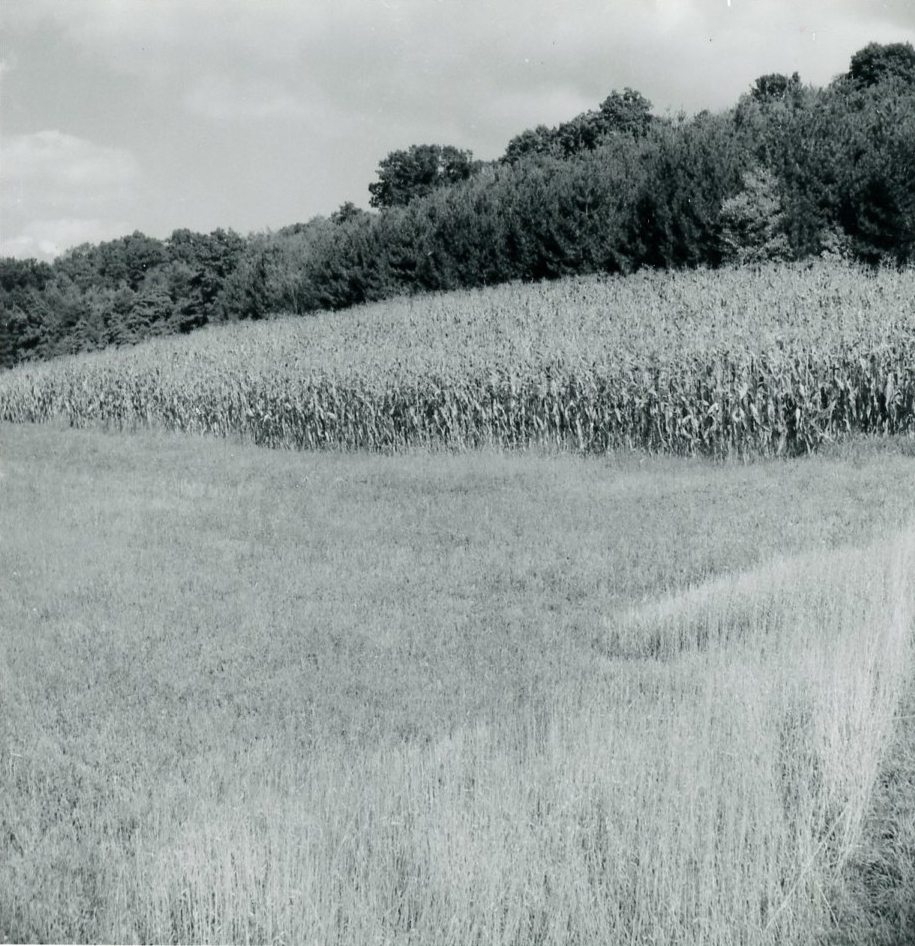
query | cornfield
(772,361)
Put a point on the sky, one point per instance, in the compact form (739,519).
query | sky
(153,115)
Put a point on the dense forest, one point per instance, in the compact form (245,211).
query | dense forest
(790,171)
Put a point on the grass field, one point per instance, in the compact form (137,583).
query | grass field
(776,361)
(259,696)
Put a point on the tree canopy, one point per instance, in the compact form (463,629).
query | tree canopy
(417,171)
(626,113)
(775,87)
(790,171)
(878,62)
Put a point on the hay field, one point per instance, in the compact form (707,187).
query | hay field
(260,696)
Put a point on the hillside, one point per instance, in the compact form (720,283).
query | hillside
(261,696)
(772,360)
(789,172)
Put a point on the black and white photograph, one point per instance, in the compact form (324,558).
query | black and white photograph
(457,472)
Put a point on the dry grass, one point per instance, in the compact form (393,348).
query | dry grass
(876,899)
(263,697)
(710,798)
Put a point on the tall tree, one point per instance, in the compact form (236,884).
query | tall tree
(753,221)
(405,175)
(199,265)
(621,113)
(627,112)
(775,86)
(346,212)
(532,144)
(877,62)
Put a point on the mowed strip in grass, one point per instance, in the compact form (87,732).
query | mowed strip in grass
(349,698)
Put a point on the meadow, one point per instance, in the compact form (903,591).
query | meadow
(556,639)
(775,361)
(445,697)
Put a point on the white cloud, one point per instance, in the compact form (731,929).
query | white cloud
(433,62)
(135,36)
(46,239)
(51,166)
(58,190)
(220,97)
(250,114)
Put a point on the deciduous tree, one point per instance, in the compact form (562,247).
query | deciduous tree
(878,62)
(406,175)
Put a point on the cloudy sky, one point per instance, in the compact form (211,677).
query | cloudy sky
(123,115)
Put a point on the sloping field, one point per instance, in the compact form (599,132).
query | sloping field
(734,362)
(258,696)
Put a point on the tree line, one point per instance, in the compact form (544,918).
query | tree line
(790,171)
